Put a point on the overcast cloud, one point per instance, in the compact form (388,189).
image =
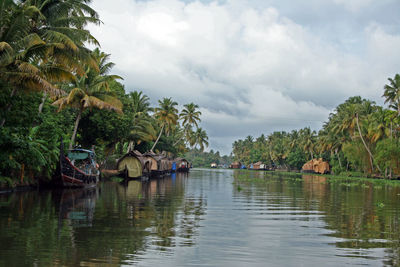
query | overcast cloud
(253,66)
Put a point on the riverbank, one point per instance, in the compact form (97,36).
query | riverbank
(345,180)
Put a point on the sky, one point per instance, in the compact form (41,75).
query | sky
(254,66)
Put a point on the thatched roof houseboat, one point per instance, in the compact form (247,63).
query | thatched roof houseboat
(182,165)
(133,165)
(159,163)
(316,166)
(236,165)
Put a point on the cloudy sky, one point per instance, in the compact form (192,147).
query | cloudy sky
(254,66)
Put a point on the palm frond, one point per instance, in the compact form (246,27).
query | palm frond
(58,37)
(6,53)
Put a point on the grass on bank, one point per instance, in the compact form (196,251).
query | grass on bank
(365,182)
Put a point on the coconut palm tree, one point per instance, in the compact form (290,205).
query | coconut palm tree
(167,116)
(140,103)
(308,140)
(91,91)
(142,126)
(392,93)
(190,115)
(41,43)
(190,118)
(24,55)
(201,138)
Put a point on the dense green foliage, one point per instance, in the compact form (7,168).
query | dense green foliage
(53,86)
(359,136)
(202,159)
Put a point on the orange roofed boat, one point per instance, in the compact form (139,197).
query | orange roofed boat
(316,166)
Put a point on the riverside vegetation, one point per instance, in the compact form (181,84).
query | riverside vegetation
(52,85)
(359,139)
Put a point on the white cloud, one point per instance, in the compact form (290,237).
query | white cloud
(251,70)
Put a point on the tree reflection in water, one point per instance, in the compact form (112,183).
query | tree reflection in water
(112,224)
(360,214)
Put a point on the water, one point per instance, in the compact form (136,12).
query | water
(206,218)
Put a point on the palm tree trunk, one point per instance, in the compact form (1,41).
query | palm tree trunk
(43,100)
(338,156)
(398,107)
(371,158)
(158,138)
(178,141)
(78,118)
(340,163)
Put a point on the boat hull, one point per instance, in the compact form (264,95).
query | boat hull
(71,176)
(185,169)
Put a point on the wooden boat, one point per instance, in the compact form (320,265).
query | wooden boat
(159,164)
(78,168)
(183,165)
(236,165)
(134,165)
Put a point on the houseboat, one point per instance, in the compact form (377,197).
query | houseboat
(134,165)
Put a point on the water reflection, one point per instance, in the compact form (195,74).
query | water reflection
(77,206)
(363,217)
(112,224)
(208,218)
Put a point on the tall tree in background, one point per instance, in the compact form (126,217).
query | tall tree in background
(167,116)
(392,93)
(142,127)
(201,138)
(190,117)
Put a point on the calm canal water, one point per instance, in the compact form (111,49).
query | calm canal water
(206,218)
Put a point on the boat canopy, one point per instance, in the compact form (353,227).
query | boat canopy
(80,154)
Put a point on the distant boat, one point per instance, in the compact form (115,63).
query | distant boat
(183,165)
(78,168)
(235,165)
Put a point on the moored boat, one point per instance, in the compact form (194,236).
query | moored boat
(134,165)
(183,165)
(159,164)
(78,168)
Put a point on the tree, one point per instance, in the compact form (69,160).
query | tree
(167,116)
(190,117)
(392,93)
(201,138)
(42,43)
(91,90)
(142,128)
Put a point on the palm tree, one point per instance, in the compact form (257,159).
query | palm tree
(41,43)
(167,115)
(91,91)
(392,93)
(308,140)
(201,138)
(21,49)
(190,115)
(142,127)
(140,103)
